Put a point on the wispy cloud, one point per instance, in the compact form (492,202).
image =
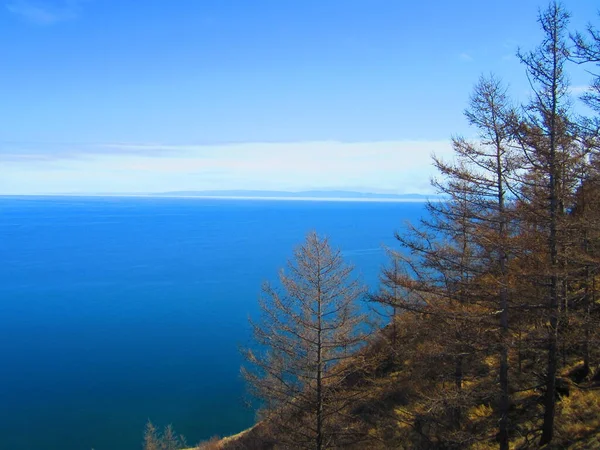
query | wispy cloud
(465,57)
(57,151)
(399,166)
(46,12)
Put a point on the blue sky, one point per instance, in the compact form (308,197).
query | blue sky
(158,95)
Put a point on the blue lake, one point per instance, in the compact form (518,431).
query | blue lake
(114,311)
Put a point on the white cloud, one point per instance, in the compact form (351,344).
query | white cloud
(400,166)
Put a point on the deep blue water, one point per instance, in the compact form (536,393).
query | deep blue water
(116,310)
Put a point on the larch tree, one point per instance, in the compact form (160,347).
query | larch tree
(454,264)
(585,212)
(311,326)
(488,165)
(517,231)
(548,139)
(154,439)
(585,218)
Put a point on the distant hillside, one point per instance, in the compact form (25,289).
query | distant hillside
(301,194)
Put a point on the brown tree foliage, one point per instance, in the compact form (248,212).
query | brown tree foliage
(311,325)
(516,237)
(167,439)
(495,293)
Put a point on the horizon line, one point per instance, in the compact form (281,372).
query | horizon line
(222,197)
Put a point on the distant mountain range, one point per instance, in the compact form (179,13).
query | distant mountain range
(301,194)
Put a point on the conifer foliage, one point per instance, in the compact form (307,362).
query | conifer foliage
(508,265)
(495,292)
(311,325)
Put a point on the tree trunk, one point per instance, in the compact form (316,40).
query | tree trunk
(504,394)
(550,396)
(503,296)
(319,441)
(458,379)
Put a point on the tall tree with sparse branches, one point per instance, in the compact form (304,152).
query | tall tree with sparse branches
(549,142)
(488,165)
(311,325)
(454,263)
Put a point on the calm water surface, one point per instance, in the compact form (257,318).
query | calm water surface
(116,310)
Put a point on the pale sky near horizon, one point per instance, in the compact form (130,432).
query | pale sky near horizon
(128,96)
